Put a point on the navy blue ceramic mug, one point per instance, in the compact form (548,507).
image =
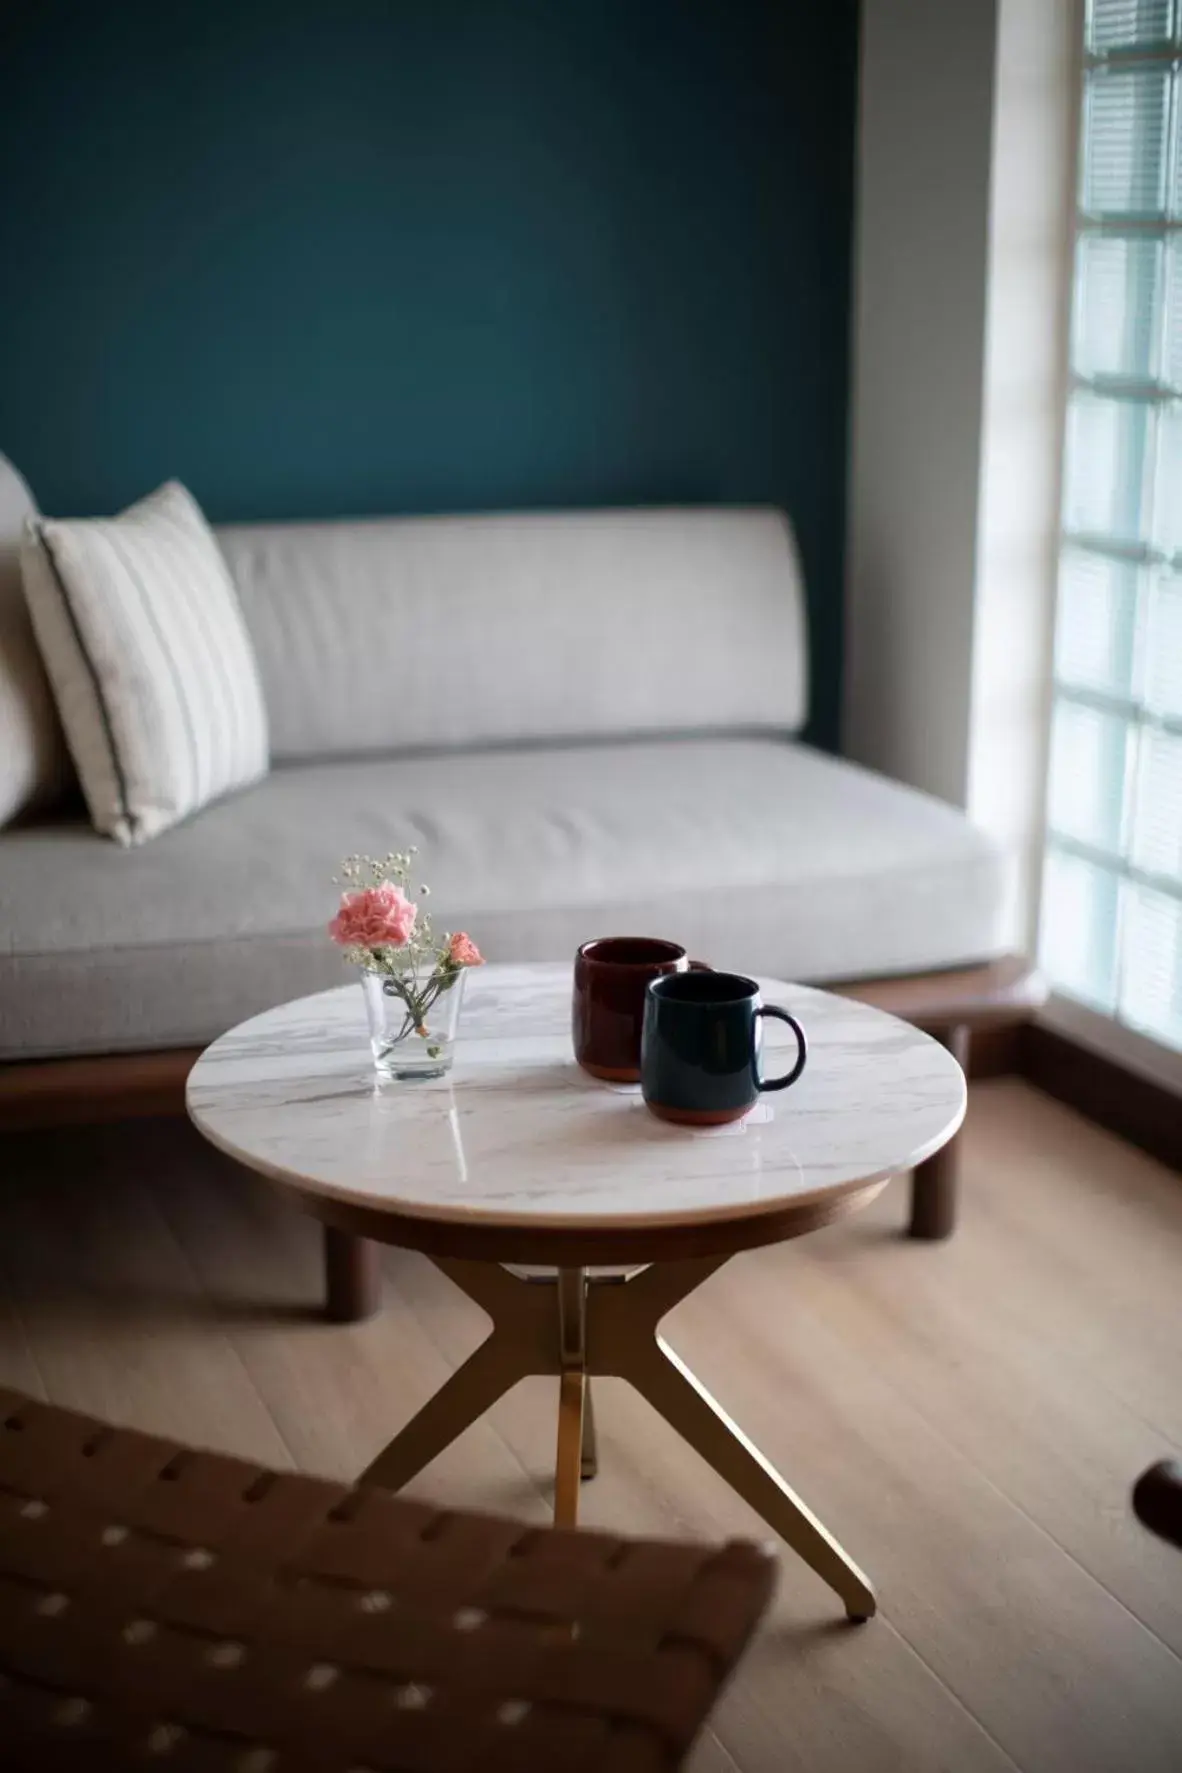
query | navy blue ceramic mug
(700,1047)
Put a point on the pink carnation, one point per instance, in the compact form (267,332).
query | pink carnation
(463,951)
(374,917)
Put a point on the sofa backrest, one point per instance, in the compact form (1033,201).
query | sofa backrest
(404,633)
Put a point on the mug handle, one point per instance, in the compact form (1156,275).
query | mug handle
(781,1083)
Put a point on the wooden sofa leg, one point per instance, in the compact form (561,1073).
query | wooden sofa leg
(352,1276)
(935,1184)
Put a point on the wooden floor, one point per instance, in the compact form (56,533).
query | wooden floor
(967,1417)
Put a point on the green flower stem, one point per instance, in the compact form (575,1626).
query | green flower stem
(418,1001)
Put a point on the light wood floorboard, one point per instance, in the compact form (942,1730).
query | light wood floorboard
(111,1314)
(967,1417)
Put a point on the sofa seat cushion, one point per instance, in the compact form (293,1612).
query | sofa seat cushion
(758,854)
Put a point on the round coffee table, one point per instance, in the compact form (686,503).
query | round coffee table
(518,1158)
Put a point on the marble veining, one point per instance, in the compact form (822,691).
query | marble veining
(517,1133)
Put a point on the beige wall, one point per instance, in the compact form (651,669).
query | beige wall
(1028,315)
(925,121)
(962,273)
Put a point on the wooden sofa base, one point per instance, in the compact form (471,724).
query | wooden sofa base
(954,1006)
(957,1007)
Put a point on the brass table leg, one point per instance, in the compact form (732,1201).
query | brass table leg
(572,1349)
(522,1342)
(665,1380)
(607,1326)
(623,1340)
(589,1463)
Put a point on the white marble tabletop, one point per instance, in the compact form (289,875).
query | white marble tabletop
(518,1136)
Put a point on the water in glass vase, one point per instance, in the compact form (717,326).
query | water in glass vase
(404,1044)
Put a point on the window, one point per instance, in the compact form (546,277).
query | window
(1111,919)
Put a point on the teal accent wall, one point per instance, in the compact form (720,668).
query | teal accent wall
(352,257)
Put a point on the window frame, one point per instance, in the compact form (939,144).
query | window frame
(1149,392)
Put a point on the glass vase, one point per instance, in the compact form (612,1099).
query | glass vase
(401,1048)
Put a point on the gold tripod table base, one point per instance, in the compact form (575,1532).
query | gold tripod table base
(579,1324)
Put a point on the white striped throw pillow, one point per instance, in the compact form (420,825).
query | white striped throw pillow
(154,674)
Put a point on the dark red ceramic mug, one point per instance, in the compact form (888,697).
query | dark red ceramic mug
(607,1015)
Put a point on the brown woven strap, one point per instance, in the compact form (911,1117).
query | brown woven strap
(165,1607)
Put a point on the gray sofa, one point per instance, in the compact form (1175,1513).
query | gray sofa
(588,723)
(585,722)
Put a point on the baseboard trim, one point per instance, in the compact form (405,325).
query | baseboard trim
(1145,1113)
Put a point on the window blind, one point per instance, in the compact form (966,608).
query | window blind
(1111,917)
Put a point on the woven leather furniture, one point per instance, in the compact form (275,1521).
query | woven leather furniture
(161,1607)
